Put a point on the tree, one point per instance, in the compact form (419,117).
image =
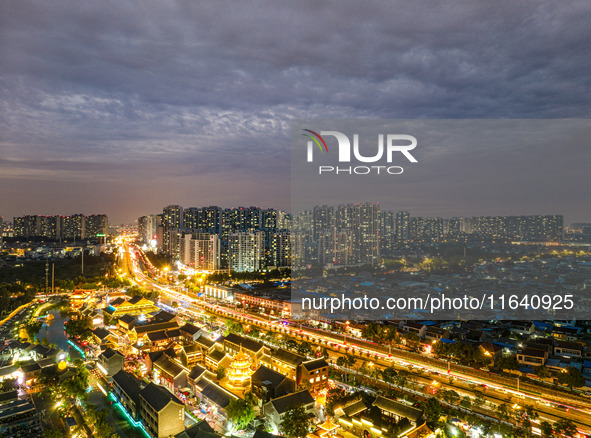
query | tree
(503,412)
(240,413)
(466,402)
(412,339)
(77,385)
(543,372)
(7,385)
(290,344)
(234,327)
(295,423)
(508,363)
(351,361)
(572,377)
(565,427)
(546,429)
(451,396)
(220,372)
(81,328)
(432,410)
(333,396)
(341,361)
(389,375)
(52,433)
(305,348)
(402,378)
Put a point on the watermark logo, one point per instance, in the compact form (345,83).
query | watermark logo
(388,146)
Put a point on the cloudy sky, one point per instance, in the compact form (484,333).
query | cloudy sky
(123,107)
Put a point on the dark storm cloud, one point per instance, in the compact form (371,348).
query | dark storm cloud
(190,102)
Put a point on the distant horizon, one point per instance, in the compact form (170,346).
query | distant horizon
(566,223)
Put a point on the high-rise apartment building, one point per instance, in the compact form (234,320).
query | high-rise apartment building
(73,227)
(402,226)
(280,249)
(97,225)
(200,251)
(246,251)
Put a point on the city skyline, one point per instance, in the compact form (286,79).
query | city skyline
(119,113)
(8,220)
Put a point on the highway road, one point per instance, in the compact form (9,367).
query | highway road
(551,405)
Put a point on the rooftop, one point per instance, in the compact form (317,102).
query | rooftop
(158,397)
(285,403)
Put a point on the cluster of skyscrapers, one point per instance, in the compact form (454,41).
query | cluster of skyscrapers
(521,228)
(252,238)
(212,238)
(358,234)
(72,227)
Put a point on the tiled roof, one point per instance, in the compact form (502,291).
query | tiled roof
(127,319)
(315,364)
(246,343)
(204,342)
(136,299)
(190,328)
(285,403)
(264,374)
(533,352)
(397,408)
(196,372)
(199,430)
(157,336)
(192,349)
(30,368)
(262,434)
(216,355)
(117,302)
(169,366)
(155,327)
(158,397)
(164,316)
(8,395)
(101,333)
(288,357)
(354,408)
(109,353)
(217,394)
(130,384)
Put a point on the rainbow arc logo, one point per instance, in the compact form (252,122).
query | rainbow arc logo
(315,139)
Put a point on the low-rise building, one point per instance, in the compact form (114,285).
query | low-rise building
(314,375)
(219,292)
(215,396)
(532,357)
(568,348)
(276,409)
(191,355)
(398,411)
(135,306)
(127,388)
(234,343)
(190,333)
(110,362)
(170,373)
(267,384)
(287,363)
(161,413)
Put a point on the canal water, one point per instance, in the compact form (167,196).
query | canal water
(54,331)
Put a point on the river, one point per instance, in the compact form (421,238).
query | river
(54,331)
